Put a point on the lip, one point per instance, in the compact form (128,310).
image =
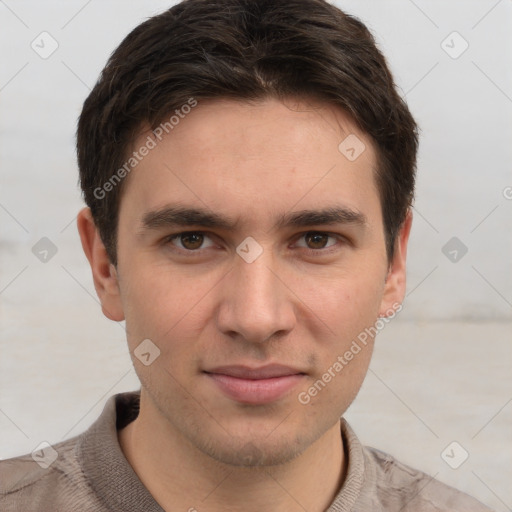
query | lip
(255,385)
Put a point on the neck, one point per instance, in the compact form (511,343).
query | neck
(180,477)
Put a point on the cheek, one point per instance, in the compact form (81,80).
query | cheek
(350,309)
(344,356)
(162,304)
(347,303)
(329,394)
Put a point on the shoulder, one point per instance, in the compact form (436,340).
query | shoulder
(50,478)
(398,485)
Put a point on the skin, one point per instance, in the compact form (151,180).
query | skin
(301,303)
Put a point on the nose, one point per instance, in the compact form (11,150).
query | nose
(255,304)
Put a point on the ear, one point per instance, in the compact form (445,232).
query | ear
(394,288)
(104,273)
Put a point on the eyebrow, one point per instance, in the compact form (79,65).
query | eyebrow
(174,215)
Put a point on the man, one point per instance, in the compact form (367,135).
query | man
(248,169)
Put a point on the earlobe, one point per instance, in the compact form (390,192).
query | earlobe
(104,273)
(394,288)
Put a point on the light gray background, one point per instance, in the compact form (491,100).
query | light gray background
(441,369)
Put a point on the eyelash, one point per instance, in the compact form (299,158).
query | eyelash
(315,252)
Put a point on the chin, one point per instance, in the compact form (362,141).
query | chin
(253,454)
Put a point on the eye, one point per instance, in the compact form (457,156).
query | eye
(318,240)
(196,241)
(190,240)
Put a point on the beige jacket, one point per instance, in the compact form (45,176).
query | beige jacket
(91,474)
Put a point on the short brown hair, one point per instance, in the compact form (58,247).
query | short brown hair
(246,50)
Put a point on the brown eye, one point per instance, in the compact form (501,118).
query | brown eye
(316,240)
(319,242)
(190,241)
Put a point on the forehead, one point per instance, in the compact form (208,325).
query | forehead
(257,158)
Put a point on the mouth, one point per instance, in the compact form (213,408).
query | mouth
(255,385)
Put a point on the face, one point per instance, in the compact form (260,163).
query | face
(251,252)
